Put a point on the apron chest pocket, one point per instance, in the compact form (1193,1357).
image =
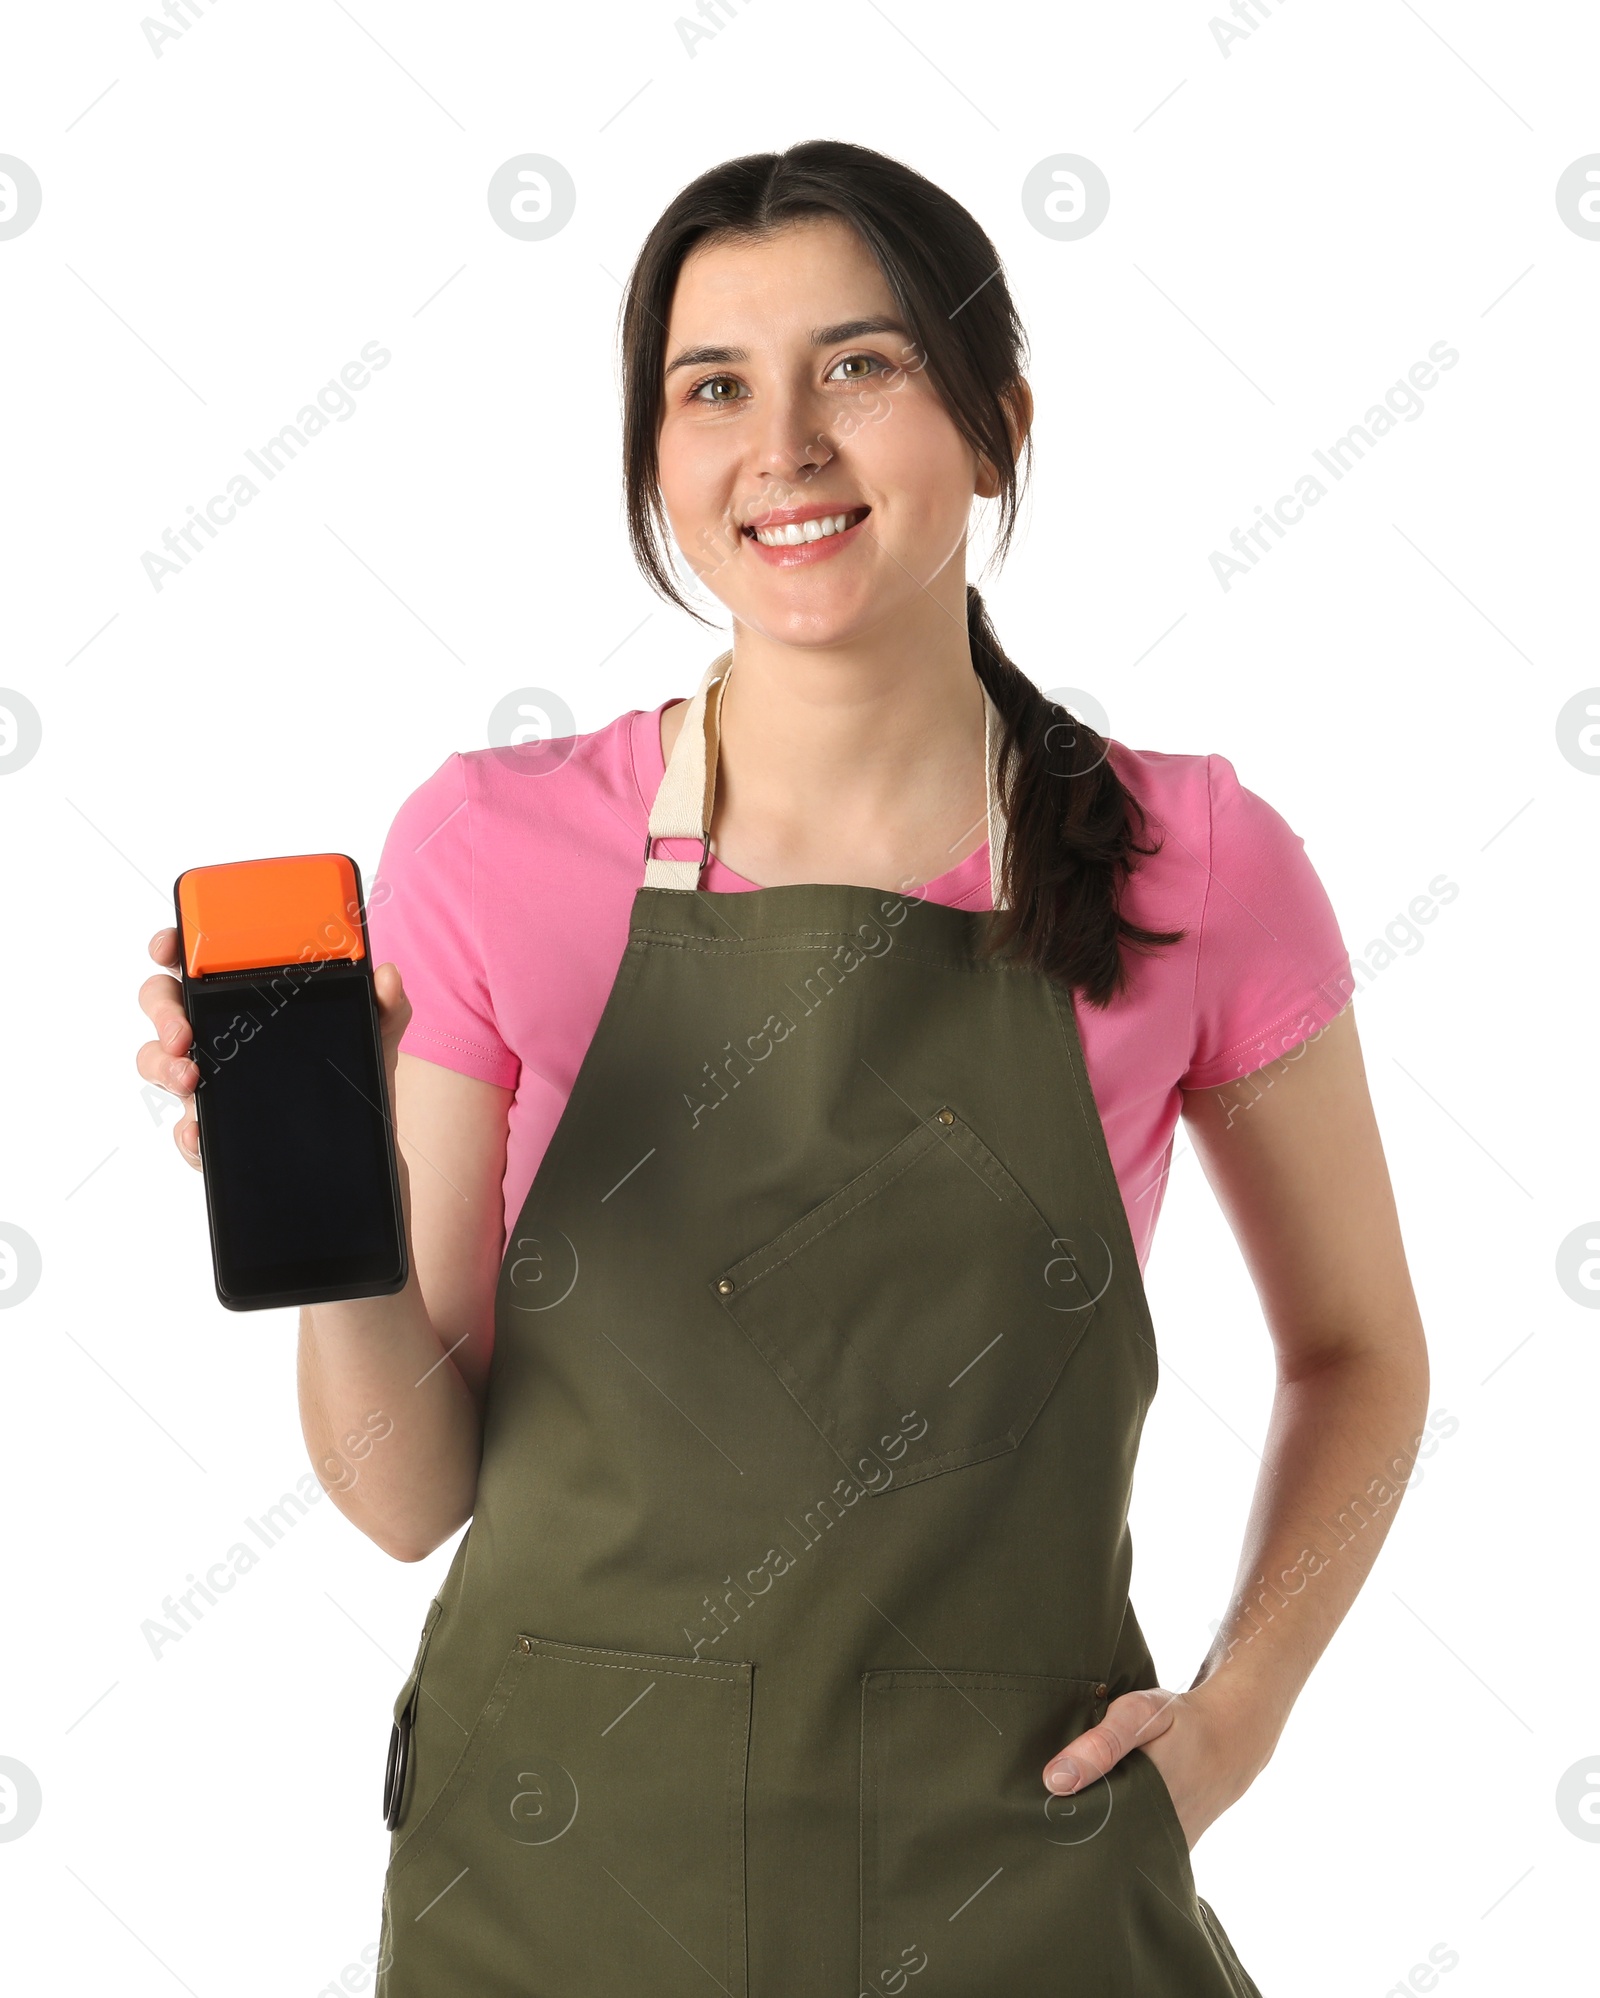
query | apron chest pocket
(922,1314)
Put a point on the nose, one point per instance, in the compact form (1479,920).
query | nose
(792,446)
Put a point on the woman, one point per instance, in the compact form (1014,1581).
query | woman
(790,1650)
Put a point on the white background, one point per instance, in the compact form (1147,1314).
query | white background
(1292,225)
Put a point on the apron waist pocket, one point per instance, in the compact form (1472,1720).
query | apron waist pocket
(589,1836)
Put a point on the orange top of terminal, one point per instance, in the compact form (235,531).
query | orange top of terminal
(297,908)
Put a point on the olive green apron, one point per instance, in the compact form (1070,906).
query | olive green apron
(801,1537)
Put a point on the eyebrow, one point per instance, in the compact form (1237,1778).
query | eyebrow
(821,336)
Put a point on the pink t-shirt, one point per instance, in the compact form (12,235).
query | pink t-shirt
(504,899)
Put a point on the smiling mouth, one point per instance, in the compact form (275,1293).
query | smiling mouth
(795,533)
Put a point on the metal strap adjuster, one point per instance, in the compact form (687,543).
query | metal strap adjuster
(650,839)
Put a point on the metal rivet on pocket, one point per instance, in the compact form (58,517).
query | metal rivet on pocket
(947,1116)
(726,1286)
(525,1645)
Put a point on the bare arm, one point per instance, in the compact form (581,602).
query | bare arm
(1294,1157)
(392,1388)
(406,1374)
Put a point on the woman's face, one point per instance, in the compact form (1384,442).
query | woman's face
(793,393)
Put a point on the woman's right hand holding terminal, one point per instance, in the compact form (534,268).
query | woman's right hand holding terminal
(390,1388)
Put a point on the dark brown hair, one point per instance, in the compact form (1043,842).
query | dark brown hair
(1071,823)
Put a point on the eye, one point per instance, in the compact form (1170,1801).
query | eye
(713,382)
(868,363)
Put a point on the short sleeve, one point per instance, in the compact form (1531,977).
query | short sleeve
(421,915)
(1271,968)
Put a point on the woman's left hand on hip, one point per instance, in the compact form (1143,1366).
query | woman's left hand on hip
(1198,1756)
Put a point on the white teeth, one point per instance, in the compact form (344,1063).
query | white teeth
(796,532)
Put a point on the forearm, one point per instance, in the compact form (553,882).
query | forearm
(1341,1443)
(393,1431)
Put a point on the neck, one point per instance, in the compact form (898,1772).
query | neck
(859,762)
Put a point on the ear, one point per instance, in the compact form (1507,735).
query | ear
(1018,400)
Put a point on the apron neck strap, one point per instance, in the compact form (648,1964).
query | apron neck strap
(683,804)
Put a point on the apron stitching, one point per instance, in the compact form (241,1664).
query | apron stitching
(863,1782)
(721,947)
(709,1677)
(1018,1194)
(1003,1682)
(839,933)
(871,1193)
(734,1792)
(827,930)
(637,1661)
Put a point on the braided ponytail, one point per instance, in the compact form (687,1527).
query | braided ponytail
(1071,827)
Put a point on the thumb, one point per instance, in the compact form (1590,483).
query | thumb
(1130,1722)
(394,1008)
